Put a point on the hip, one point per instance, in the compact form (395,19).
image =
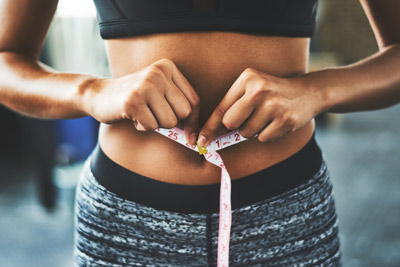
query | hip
(133,223)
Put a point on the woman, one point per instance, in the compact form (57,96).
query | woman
(207,67)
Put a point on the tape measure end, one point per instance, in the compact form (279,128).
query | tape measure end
(202,150)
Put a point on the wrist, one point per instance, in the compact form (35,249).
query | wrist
(317,93)
(87,90)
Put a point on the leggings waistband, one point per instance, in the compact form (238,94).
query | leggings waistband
(272,181)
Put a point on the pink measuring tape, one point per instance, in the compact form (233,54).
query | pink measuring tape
(211,155)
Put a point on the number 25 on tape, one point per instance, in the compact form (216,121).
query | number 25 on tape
(173,135)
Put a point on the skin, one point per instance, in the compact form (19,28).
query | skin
(204,82)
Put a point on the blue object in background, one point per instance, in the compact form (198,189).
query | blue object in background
(76,138)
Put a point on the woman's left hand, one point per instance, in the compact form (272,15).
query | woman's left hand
(259,103)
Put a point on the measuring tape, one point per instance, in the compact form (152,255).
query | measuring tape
(211,155)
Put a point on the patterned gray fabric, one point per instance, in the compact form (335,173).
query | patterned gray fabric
(296,228)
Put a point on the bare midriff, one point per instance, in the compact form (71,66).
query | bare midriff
(211,62)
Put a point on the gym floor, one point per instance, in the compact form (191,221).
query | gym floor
(362,151)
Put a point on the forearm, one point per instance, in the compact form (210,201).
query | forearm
(369,84)
(37,91)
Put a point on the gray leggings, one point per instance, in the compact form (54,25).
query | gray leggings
(297,227)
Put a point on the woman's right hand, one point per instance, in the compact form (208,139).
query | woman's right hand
(155,96)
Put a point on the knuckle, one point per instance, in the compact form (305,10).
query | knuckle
(196,100)
(267,106)
(228,123)
(248,74)
(220,110)
(155,70)
(249,71)
(275,103)
(262,138)
(259,91)
(152,126)
(185,112)
(245,133)
(133,103)
(289,119)
(171,122)
(280,123)
(127,106)
(147,81)
(134,98)
(165,63)
(263,87)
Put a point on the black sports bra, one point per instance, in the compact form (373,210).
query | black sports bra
(124,18)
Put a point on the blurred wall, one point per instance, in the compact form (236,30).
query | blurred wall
(344,30)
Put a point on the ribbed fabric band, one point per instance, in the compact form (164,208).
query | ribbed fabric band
(119,29)
(127,18)
(261,185)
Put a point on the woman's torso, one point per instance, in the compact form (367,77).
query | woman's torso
(211,62)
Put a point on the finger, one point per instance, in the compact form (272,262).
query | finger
(191,126)
(214,124)
(237,114)
(162,111)
(192,121)
(145,120)
(274,131)
(177,100)
(185,87)
(257,121)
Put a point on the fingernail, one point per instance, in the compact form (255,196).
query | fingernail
(193,138)
(139,127)
(202,141)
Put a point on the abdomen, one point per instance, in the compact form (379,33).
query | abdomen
(211,62)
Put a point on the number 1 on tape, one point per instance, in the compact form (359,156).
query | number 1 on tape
(211,155)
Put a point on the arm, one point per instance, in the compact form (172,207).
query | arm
(259,103)
(27,86)
(155,96)
(371,83)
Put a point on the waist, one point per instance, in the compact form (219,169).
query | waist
(155,156)
(269,182)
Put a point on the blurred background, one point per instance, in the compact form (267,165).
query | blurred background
(40,160)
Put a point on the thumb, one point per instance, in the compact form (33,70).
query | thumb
(191,125)
(190,130)
(212,127)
